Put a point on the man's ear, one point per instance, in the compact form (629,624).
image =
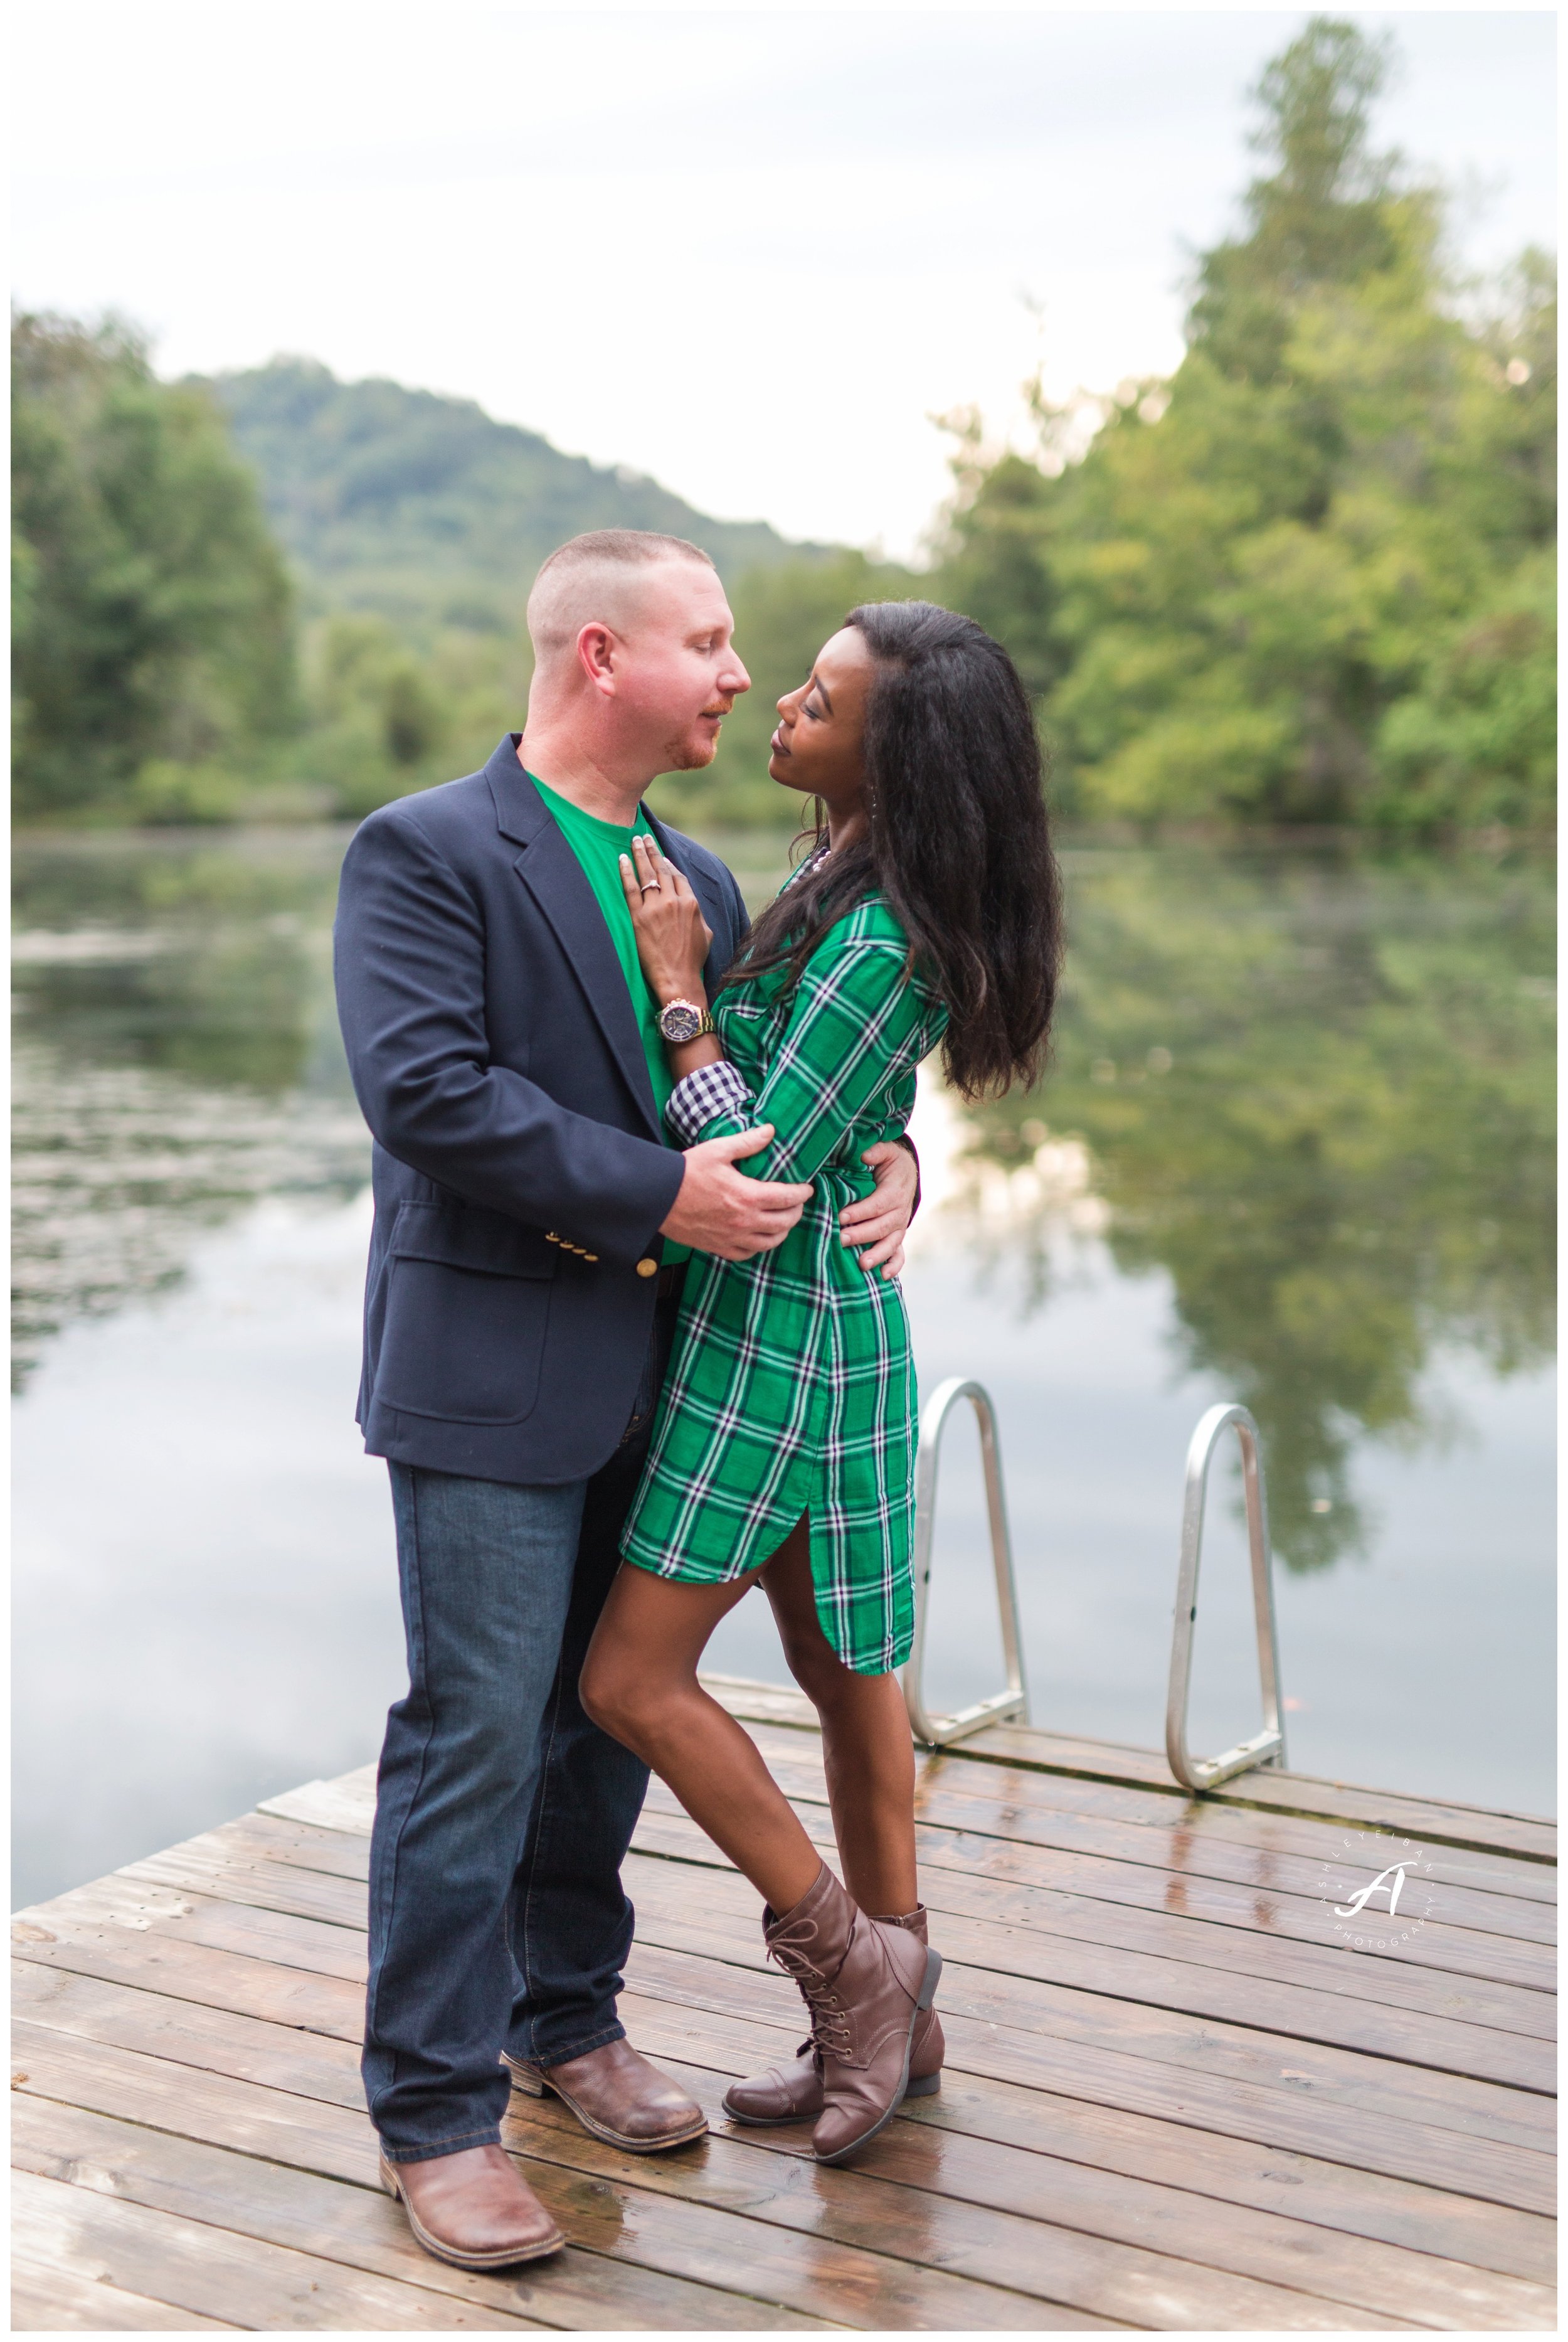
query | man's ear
(597,648)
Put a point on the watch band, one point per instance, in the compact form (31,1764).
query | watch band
(685,1020)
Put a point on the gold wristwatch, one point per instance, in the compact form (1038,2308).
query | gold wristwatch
(683,1020)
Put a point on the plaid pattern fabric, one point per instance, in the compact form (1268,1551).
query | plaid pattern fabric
(701,1096)
(792,1387)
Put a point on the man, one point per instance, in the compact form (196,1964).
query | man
(531,1223)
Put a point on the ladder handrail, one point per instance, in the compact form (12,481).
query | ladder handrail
(1003,1707)
(1268,1746)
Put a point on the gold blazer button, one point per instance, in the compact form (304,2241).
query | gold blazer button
(647,1268)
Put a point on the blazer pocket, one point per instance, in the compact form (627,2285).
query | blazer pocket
(467,1304)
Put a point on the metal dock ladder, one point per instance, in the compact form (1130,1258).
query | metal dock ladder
(1011,1706)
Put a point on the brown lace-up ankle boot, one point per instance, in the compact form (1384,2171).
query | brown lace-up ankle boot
(865,1983)
(792,2091)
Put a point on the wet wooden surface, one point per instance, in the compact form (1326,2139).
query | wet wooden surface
(1173,2100)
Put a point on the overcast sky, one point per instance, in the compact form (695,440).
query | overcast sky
(750,252)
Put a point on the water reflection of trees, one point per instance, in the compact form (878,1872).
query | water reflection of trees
(177,1058)
(1318,1095)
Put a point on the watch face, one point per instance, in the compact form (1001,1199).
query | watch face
(680,1023)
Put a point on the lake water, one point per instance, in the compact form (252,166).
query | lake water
(1295,1149)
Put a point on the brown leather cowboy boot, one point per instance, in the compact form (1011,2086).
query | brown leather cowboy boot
(615,2093)
(793,2092)
(473,2209)
(865,1983)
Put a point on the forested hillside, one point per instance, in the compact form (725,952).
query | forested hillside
(1307,579)
(427,512)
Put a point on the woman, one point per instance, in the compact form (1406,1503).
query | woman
(927,912)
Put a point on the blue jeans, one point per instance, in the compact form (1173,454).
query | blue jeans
(497,1918)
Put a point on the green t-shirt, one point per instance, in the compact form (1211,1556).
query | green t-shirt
(598,846)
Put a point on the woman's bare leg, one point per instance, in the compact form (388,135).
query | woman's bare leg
(867,1746)
(640,1685)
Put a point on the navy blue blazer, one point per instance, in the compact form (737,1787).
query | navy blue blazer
(496,1056)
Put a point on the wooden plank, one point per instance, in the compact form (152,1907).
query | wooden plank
(304,1846)
(1481,1829)
(1214,2165)
(1132,2130)
(275,2124)
(1530,1836)
(1129,2086)
(1360,2086)
(140,1908)
(196,1973)
(213,1866)
(1360,2089)
(46,2300)
(349,1803)
(223,2040)
(1276,2250)
(283,2058)
(137,1900)
(703,2243)
(665,1828)
(667,1916)
(982,2172)
(208,1867)
(1273,2116)
(217,2274)
(1024,1791)
(1510,2008)
(1167,1935)
(363,2229)
(346,1804)
(953,1801)
(1128,2285)
(850,2285)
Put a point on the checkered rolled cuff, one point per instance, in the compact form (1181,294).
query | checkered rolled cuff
(702,1096)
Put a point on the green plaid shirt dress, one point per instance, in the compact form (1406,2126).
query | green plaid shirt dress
(791,1386)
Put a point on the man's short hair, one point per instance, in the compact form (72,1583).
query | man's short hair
(594,577)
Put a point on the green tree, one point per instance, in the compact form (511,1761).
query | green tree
(153,619)
(385,718)
(1296,582)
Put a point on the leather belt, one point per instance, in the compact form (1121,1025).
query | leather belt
(672,1276)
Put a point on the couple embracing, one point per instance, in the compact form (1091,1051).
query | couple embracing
(635,1341)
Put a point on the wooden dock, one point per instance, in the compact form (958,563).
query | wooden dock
(1174,2099)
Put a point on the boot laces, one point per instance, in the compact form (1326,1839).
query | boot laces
(829,2030)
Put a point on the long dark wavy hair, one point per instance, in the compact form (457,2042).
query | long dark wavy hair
(958,844)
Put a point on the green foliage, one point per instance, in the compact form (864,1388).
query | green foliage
(152,617)
(1307,579)
(425,510)
(385,718)
(1318,1095)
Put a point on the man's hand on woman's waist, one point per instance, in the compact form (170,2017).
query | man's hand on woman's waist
(718,1209)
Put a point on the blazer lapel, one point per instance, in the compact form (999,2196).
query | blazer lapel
(555,880)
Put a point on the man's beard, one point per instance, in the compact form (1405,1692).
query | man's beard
(689,755)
